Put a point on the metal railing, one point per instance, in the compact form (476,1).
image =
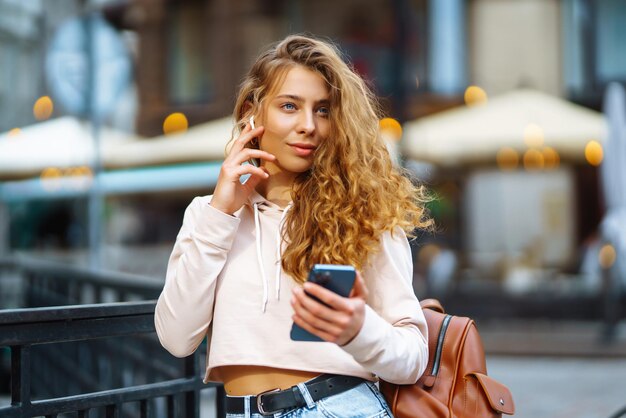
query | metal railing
(50,283)
(107,349)
(21,329)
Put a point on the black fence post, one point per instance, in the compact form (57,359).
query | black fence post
(20,375)
(220,401)
(192,398)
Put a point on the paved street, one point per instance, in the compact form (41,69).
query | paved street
(562,387)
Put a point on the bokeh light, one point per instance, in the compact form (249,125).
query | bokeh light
(43,108)
(551,158)
(51,173)
(50,178)
(15,132)
(474,95)
(391,127)
(507,158)
(533,135)
(594,153)
(175,123)
(607,256)
(81,177)
(82,171)
(533,160)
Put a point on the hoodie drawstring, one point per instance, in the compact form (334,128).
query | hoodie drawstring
(257,227)
(279,266)
(259,255)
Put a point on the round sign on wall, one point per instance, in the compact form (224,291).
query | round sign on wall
(67,66)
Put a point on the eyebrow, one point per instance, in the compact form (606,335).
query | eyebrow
(299,99)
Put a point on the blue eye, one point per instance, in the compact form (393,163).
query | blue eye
(324,111)
(289,106)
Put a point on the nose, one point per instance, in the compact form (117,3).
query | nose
(306,123)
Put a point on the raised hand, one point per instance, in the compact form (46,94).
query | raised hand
(230,194)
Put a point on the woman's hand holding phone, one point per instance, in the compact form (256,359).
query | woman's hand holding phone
(230,194)
(340,321)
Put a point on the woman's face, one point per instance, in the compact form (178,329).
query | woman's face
(296,120)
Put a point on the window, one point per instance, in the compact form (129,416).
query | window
(593,38)
(189,74)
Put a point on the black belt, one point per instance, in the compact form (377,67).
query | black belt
(275,400)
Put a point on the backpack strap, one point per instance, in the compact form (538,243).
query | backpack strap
(432,304)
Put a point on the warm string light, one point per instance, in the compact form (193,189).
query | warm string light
(14,133)
(475,96)
(43,108)
(507,158)
(533,160)
(594,153)
(607,256)
(535,157)
(175,123)
(76,178)
(533,135)
(551,159)
(391,128)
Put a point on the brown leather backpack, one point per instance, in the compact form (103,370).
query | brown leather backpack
(455,383)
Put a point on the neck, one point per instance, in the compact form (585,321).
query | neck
(277,188)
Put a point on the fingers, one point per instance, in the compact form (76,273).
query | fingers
(317,316)
(246,136)
(247,154)
(337,326)
(239,153)
(327,296)
(311,305)
(250,169)
(315,331)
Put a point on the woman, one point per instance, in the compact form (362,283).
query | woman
(322,189)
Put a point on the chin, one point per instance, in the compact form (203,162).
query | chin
(297,167)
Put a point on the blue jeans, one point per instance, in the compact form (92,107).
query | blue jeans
(362,401)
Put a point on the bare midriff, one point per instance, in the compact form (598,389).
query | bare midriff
(252,380)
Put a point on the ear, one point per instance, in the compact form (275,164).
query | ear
(247,110)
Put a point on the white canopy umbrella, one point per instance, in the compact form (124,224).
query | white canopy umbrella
(67,142)
(135,164)
(475,134)
(204,142)
(61,142)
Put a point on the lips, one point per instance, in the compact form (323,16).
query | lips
(302,149)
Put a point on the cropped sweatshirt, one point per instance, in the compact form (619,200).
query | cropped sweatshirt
(224,281)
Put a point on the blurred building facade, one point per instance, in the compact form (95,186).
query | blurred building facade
(418,55)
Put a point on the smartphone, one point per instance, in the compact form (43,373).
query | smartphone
(336,278)
(252,126)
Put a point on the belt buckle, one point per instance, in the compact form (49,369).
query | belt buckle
(259,404)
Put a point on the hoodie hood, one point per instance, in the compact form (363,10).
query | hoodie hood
(256,198)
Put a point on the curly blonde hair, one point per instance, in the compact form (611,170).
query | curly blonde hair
(352,193)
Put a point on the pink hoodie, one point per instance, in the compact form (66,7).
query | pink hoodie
(219,284)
